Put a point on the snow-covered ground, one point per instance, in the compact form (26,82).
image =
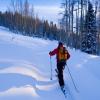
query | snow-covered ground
(25,70)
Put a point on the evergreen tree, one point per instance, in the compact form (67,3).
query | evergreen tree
(89,35)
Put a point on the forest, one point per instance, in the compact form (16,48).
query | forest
(79,27)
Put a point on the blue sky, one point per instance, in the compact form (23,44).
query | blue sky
(46,2)
(36,2)
(46,9)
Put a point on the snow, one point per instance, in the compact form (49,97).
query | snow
(25,70)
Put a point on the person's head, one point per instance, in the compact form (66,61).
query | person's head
(60,44)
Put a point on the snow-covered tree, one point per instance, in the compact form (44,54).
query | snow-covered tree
(89,35)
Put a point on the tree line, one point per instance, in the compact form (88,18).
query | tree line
(79,26)
(21,19)
(81,22)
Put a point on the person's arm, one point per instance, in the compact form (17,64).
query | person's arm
(68,55)
(51,53)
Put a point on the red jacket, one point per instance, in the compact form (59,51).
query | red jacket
(55,52)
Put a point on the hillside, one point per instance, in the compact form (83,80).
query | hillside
(25,70)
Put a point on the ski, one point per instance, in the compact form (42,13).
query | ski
(64,91)
(56,71)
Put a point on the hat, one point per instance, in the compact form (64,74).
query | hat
(60,44)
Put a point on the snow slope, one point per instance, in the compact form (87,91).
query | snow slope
(25,70)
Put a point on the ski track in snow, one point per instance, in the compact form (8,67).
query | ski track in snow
(25,71)
(25,78)
(22,76)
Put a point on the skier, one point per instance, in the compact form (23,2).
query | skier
(62,55)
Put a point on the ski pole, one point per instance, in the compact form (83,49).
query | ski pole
(72,79)
(51,68)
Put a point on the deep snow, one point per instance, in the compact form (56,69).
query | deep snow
(25,70)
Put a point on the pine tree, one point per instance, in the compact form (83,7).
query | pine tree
(89,35)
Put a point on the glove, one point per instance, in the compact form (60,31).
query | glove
(50,53)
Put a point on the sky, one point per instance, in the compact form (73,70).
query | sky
(45,9)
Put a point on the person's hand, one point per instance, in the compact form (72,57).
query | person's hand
(50,53)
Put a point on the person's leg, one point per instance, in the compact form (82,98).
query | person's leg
(60,74)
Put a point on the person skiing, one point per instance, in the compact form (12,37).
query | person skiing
(62,55)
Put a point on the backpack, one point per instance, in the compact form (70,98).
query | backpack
(63,54)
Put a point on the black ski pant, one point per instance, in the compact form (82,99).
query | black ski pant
(60,67)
